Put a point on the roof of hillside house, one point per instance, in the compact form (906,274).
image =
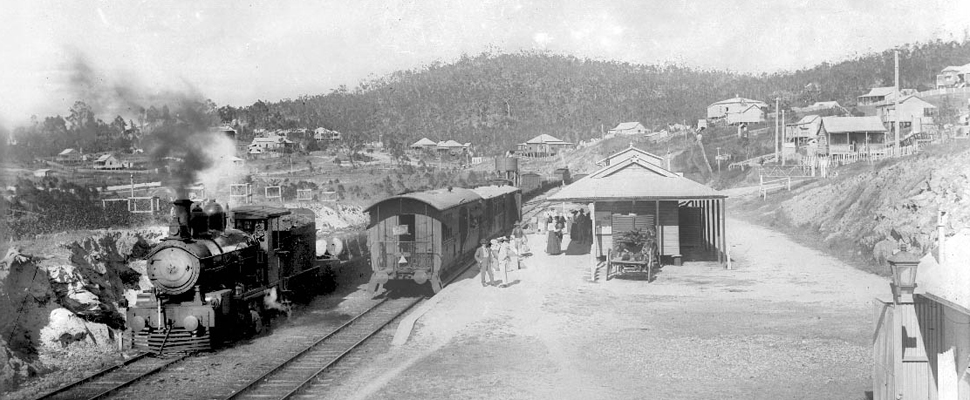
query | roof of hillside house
(104,157)
(67,152)
(634,179)
(740,100)
(852,124)
(627,126)
(879,92)
(911,98)
(958,68)
(424,142)
(546,139)
(808,126)
(450,143)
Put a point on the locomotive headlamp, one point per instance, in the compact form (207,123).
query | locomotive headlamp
(137,324)
(190,323)
(904,265)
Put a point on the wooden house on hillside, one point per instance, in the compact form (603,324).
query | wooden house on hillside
(542,146)
(737,110)
(628,128)
(912,111)
(423,144)
(954,76)
(849,135)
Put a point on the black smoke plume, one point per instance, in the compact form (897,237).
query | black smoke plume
(177,143)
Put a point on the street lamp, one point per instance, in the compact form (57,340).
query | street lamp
(904,265)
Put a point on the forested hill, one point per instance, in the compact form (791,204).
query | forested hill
(495,101)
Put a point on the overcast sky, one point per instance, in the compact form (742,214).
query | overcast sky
(236,52)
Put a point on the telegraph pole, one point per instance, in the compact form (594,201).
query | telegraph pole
(781,138)
(896,101)
(777,99)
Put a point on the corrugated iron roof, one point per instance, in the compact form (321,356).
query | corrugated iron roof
(879,92)
(546,139)
(627,150)
(634,179)
(626,125)
(742,100)
(852,124)
(423,143)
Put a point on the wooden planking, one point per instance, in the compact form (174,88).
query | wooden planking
(930,316)
(883,366)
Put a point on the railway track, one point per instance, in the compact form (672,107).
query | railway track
(109,380)
(305,373)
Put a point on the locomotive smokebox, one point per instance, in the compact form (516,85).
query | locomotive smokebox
(179,227)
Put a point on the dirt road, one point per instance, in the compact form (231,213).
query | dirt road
(787,322)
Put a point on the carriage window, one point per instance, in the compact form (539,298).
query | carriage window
(463,223)
(408,221)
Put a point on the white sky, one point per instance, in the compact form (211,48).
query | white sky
(236,52)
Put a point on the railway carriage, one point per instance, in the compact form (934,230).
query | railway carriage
(423,236)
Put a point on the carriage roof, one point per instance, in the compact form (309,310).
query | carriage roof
(488,192)
(440,199)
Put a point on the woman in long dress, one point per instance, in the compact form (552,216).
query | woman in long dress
(553,241)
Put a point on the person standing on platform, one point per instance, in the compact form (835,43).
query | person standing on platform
(574,222)
(518,237)
(484,258)
(505,253)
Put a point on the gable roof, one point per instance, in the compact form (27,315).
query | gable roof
(104,157)
(741,100)
(880,91)
(634,178)
(546,139)
(916,99)
(628,150)
(852,124)
(627,125)
(450,143)
(424,142)
(66,152)
(958,68)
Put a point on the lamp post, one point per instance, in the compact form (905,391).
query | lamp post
(903,265)
(910,362)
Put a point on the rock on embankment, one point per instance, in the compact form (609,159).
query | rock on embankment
(886,204)
(62,293)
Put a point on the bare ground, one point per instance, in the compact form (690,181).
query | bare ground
(787,322)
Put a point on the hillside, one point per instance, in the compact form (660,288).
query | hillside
(869,210)
(497,100)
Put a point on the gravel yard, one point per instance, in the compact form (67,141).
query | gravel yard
(787,322)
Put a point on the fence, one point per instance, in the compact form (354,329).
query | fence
(136,205)
(304,194)
(240,193)
(772,184)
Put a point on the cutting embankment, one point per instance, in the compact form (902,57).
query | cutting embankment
(866,211)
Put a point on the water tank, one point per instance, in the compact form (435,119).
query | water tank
(505,164)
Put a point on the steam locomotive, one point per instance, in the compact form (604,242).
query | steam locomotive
(211,281)
(423,236)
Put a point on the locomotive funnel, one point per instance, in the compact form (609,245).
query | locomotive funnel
(179,227)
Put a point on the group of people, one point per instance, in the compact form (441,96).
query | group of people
(501,254)
(580,229)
